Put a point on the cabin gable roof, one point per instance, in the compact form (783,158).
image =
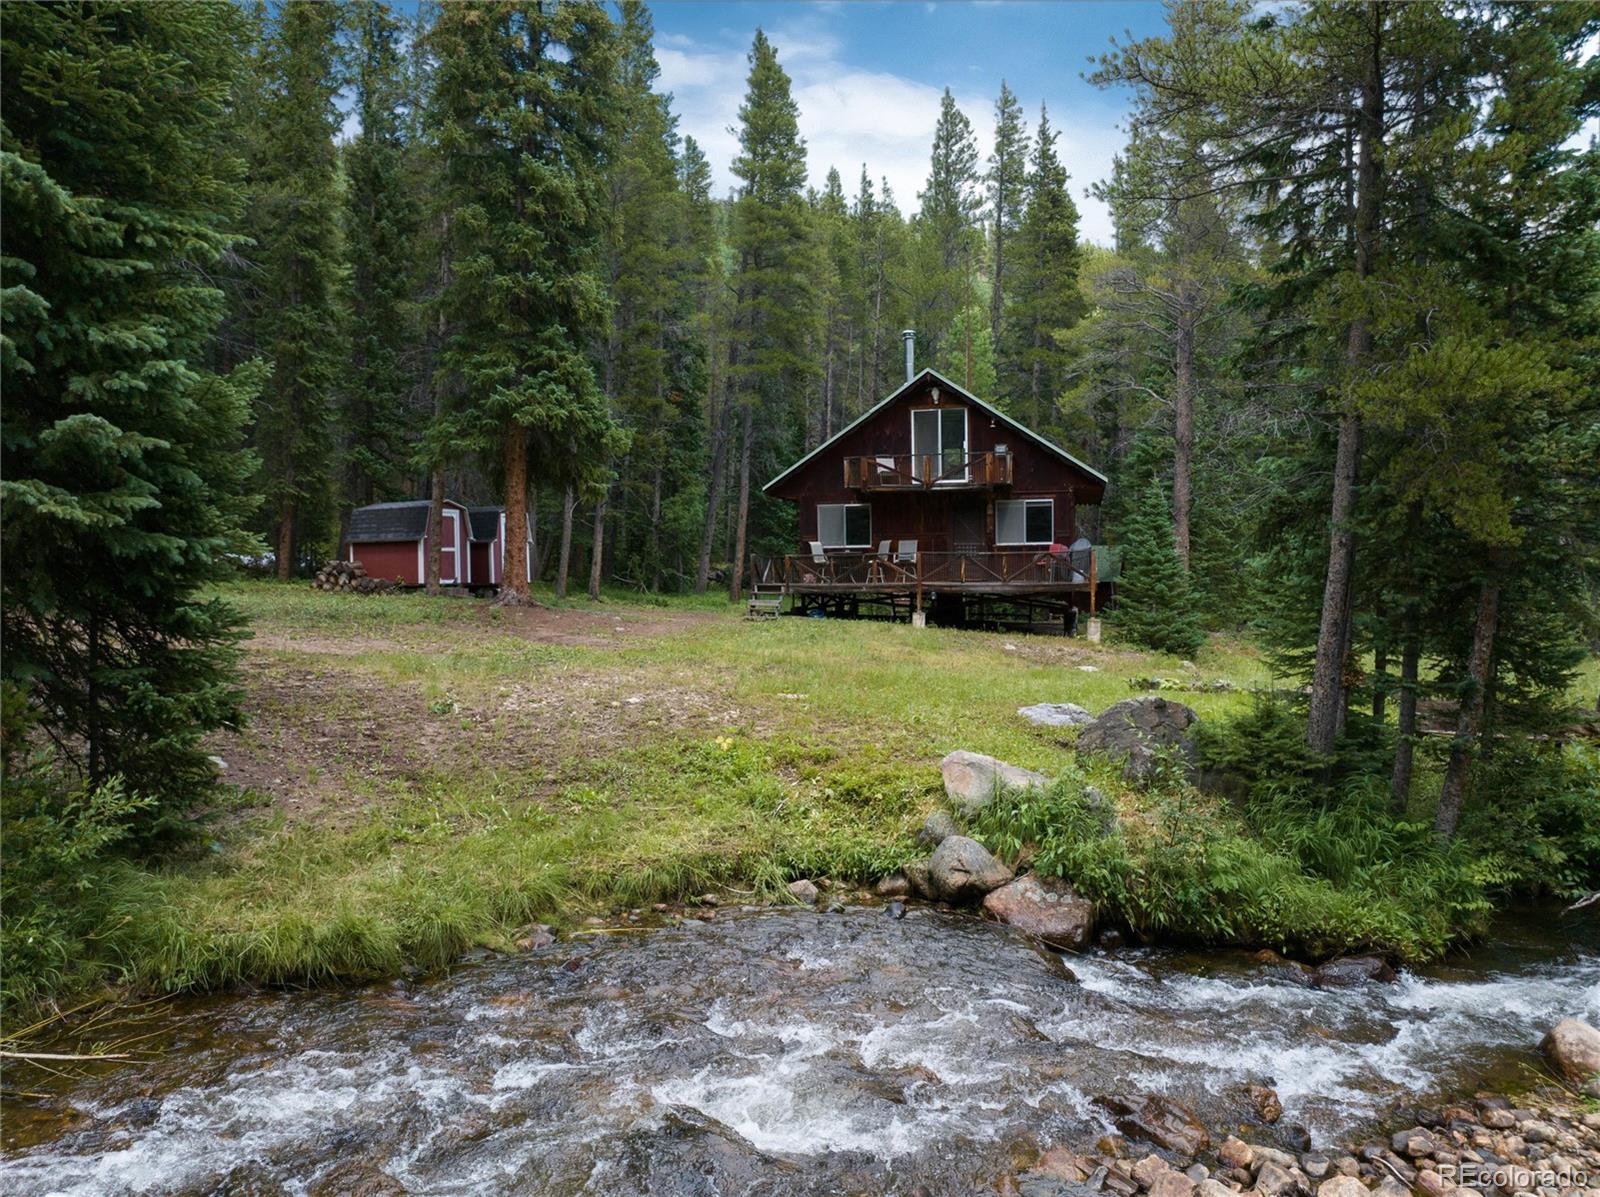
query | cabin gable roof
(930,375)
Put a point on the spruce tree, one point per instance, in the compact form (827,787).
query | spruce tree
(1043,299)
(1154,606)
(947,228)
(1007,181)
(968,357)
(381,217)
(769,366)
(125,484)
(294,316)
(521,110)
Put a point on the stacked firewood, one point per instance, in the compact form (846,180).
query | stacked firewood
(349,576)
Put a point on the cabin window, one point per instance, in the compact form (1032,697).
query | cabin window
(939,442)
(844,525)
(1025,521)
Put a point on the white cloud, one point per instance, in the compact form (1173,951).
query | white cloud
(850,116)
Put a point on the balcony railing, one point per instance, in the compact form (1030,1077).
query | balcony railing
(997,570)
(908,471)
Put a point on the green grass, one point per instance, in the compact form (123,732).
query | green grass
(810,748)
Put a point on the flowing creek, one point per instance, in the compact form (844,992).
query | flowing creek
(776,1052)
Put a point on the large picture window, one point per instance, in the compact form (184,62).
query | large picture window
(844,525)
(1025,521)
(939,442)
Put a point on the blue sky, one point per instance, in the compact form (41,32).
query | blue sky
(868,76)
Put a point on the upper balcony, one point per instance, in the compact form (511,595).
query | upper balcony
(949,471)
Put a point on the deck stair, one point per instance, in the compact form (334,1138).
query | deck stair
(766,601)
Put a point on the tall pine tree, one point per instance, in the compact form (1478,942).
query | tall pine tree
(294,318)
(125,484)
(381,217)
(1007,182)
(947,228)
(768,362)
(521,109)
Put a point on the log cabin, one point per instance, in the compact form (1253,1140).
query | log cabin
(935,503)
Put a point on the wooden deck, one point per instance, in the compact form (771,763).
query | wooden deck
(963,588)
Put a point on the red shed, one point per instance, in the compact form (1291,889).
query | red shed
(391,540)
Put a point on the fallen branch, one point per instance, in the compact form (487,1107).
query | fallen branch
(64,1056)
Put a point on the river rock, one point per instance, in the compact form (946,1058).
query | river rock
(1573,1049)
(803,891)
(962,870)
(1390,1187)
(919,878)
(1275,1181)
(1265,1100)
(937,828)
(895,885)
(356,1179)
(1046,909)
(972,780)
(1062,1163)
(1213,1188)
(1352,970)
(1341,1186)
(1057,714)
(1172,1183)
(1135,729)
(1235,1153)
(1156,1120)
(1414,1142)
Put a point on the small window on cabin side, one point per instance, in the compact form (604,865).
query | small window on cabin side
(1025,521)
(844,525)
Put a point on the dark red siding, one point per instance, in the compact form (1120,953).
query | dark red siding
(392,560)
(939,520)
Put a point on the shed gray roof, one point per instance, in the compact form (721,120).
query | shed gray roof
(381,522)
(484,522)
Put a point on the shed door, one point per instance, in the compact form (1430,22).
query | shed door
(450,548)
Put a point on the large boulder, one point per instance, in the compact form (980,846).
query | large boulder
(1057,714)
(1154,1119)
(961,870)
(937,828)
(972,780)
(1135,729)
(1573,1049)
(1045,909)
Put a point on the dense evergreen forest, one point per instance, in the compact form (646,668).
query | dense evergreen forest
(266,264)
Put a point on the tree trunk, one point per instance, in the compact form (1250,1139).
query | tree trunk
(1380,677)
(1405,742)
(285,539)
(536,567)
(597,555)
(514,580)
(719,466)
(435,528)
(1183,439)
(1333,636)
(564,561)
(736,578)
(1469,720)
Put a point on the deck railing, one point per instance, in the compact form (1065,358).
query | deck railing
(1000,569)
(907,471)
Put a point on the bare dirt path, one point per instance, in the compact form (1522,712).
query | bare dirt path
(333,731)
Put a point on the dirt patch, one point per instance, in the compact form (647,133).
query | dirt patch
(328,740)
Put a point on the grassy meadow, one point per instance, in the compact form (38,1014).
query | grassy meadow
(422,776)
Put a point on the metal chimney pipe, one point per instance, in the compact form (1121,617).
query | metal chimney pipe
(909,336)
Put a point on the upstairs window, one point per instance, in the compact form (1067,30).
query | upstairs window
(844,525)
(939,439)
(1025,521)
